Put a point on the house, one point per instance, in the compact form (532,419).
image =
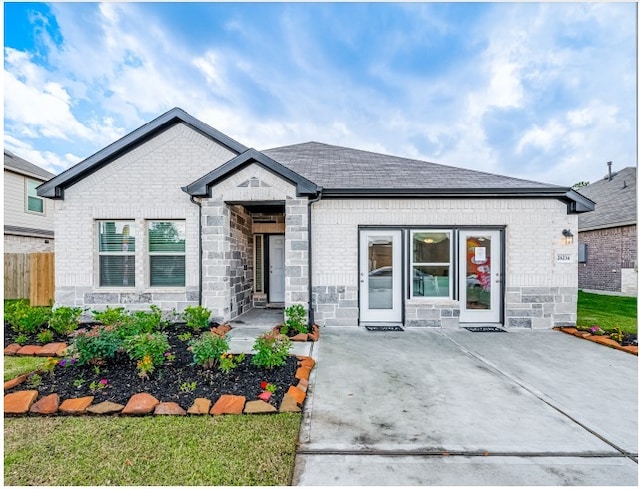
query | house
(28,218)
(608,237)
(177,213)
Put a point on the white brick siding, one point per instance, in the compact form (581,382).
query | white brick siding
(143,184)
(533,237)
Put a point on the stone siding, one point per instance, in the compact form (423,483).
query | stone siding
(241,261)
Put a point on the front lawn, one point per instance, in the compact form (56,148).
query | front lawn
(15,366)
(608,312)
(150,451)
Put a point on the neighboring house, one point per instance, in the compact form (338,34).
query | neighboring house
(177,213)
(28,218)
(608,237)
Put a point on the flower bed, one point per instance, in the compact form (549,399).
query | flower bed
(625,342)
(177,366)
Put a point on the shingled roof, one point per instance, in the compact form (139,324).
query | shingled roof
(350,171)
(18,165)
(615,201)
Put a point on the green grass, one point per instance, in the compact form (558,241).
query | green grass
(151,451)
(608,312)
(14,366)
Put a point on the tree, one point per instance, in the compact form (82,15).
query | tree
(579,185)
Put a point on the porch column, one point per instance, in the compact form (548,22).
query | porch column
(216,258)
(296,252)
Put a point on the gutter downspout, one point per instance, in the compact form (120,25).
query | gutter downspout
(309,203)
(199,204)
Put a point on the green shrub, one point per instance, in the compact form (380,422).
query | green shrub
(45,336)
(140,322)
(21,339)
(295,318)
(271,350)
(64,320)
(101,343)
(153,345)
(111,316)
(208,349)
(197,317)
(26,319)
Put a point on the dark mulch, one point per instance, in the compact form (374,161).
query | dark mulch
(165,381)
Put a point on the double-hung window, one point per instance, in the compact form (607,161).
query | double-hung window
(34,203)
(431,263)
(116,253)
(166,253)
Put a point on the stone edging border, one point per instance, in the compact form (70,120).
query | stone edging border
(23,402)
(602,339)
(313,336)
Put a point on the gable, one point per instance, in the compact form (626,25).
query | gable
(56,187)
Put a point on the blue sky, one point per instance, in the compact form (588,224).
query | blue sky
(532,90)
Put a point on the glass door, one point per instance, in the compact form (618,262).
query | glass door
(480,290)
(380,276)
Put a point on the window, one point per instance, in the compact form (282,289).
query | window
(431,263)
(34,203)
(166,253)
(116,251)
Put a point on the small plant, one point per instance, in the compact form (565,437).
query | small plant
(111,316)
(21,339)
(186,336)
(26,319)
(153,345)
(45,336)
(196,317)
(188,386)
(100,343)
(66,362)
(64,320)
(271,350)
(169,357)
(295,317)
(596,330)
(96,369)
(228,362)
(50,365)
(140,322)
(34,381)
(208,349)
(98,386)
(266,386)
(617,335)
(79,383)
(145,367)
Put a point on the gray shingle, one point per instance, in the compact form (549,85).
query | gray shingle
(336,167)
(615,201)
(22,166)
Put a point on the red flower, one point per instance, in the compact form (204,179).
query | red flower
(263,385)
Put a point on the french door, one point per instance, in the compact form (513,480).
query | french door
(380,276)
(480,276)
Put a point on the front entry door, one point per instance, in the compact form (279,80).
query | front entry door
(380,276)
(276,268)
(480,288)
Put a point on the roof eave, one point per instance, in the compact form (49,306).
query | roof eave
(202,186)
(54,188)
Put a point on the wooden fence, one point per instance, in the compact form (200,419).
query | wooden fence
(29,276)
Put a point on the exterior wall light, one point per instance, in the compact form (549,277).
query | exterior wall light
(568,236)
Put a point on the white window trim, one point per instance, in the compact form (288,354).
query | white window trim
(148,254)
(98,254)
(26,198)
(412,263)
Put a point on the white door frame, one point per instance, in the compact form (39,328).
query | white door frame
(276,268)
(485,279)
(381,281)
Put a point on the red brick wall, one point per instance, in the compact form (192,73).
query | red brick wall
(607,250)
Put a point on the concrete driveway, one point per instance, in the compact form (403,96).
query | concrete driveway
(452,407)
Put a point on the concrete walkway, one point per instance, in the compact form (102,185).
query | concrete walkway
(451,407)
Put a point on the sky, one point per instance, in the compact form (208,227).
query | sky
(541,91)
